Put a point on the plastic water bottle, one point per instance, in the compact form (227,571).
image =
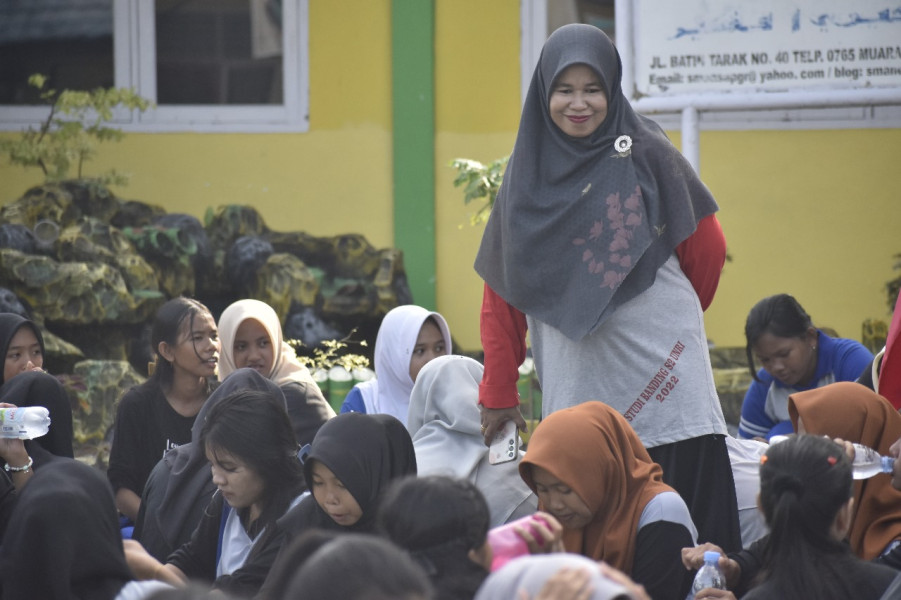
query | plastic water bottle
(868,462)
(709,575)
(24,422)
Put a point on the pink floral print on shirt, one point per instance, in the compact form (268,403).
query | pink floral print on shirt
(607,248)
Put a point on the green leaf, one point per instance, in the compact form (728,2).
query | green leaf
(73,128)
(479,182)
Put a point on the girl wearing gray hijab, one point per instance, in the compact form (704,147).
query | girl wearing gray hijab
(604,245)
(530,577)
(444,423)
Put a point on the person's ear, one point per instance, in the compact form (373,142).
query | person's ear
(482,555)
(165,350)
(842,523)
(812,335)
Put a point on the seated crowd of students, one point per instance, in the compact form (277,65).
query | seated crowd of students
(230,476)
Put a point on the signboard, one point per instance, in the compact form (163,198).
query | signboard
(696,46)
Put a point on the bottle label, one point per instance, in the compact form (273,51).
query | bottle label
(25,422)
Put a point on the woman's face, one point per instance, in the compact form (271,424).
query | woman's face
(23,354)
(791,360)
(332,497)
(429,345)
(197,349)
(560,500)
(578,104)
(239,484)
(253,348)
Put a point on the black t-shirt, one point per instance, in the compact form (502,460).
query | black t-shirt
(658,564)
(849,577)
(146,427)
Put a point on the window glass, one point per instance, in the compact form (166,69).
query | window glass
(70,41)
(219,52)
(593,12)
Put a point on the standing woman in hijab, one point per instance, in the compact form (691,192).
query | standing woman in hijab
(157,415)
(251,336)
(408,338)
(592,473)
(603,244)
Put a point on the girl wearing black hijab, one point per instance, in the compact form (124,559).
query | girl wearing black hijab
(25,383)
(64,542)
(352,460)
(22,344)
(603,243)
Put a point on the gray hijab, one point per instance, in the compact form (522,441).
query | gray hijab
(445,424)
(581,225)
(530,573)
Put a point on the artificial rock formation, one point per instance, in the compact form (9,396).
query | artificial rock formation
(92,270)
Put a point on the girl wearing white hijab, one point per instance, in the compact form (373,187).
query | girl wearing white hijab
(251,336)
(408,338)
(444,422)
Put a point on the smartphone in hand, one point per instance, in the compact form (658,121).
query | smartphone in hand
(505,446)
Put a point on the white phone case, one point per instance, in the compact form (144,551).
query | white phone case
(505,446)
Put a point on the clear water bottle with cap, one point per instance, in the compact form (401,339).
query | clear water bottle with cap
(709,575)
(867,462)
(24,422)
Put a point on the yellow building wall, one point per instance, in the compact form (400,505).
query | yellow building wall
(812,213)
(335,178)
(477,107)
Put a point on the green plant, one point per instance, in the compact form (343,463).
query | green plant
(70,133)
(330,354)
(481,182)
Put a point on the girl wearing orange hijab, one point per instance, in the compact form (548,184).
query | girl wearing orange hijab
(856,413)
(591,471)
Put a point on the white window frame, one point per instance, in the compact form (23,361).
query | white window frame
(134,58)
(533,26)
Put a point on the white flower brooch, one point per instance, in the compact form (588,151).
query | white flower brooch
(623,145)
